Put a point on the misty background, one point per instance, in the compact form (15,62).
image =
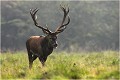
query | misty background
(94,25)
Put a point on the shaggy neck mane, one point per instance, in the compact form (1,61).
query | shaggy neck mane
(46,42)
(46,47)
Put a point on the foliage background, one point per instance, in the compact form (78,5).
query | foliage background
(94,24)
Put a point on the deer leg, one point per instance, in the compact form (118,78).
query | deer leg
(43,60)
(29,55)
(34,57)
(30,59)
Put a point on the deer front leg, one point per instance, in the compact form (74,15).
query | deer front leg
(43,60)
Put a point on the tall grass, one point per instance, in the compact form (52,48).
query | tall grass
(83,65)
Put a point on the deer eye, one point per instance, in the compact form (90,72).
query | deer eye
(55,37)
(51,38)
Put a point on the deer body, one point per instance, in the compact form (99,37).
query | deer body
(42,46)
(38,46)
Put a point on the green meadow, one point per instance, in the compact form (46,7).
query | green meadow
(61,65)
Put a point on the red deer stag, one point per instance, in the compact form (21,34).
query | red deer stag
(40,46)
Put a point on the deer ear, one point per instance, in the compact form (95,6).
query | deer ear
(56,34)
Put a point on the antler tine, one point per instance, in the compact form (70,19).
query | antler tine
(63,26)
(34,17)
(33,11)
(65,13)
(64,9)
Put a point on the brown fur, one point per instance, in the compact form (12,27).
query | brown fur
(38,46)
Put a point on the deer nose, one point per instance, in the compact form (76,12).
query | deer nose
(55,45)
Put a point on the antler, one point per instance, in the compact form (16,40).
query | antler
(63,25)
(34,17)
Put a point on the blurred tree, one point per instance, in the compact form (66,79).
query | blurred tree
(94,24)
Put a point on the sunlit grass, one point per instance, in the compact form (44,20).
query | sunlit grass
(83,65)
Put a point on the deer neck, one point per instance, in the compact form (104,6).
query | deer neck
(46,43)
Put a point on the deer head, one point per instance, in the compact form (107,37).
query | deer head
(52,36)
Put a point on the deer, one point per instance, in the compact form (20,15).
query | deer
(42,46)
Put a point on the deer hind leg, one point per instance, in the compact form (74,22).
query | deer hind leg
(29,56)
(30,59)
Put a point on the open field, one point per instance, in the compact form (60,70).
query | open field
(83,65)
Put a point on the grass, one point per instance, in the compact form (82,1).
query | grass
(83,65)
